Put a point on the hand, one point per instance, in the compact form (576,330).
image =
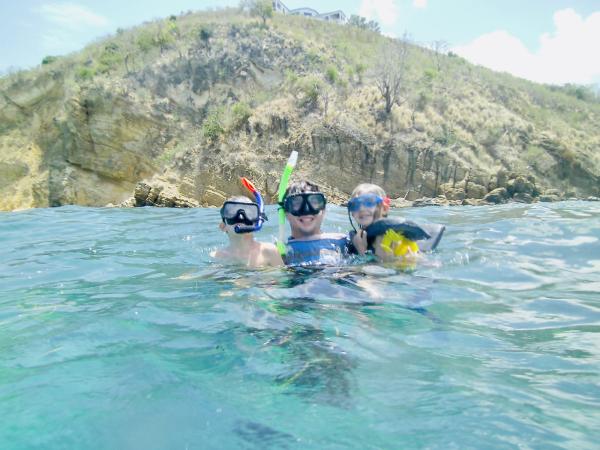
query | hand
(360,242)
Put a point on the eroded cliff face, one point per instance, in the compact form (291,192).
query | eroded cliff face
(83,146)
(100,142)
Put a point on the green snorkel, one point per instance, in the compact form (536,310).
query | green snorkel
(283,184)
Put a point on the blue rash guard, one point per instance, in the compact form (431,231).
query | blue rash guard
(329,248)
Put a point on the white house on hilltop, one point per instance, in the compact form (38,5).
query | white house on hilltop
(333,16)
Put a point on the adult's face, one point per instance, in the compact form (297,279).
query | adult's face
(307,225)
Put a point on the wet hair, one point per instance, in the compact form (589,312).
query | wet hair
(368,188)
(299,187)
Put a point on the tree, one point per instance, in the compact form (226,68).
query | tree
(439,49)
(361,22)
(390,72)
(258,8)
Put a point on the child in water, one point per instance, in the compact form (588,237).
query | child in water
(239,216)
(368,204)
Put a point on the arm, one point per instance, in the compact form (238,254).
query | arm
(360,242)
(271,256)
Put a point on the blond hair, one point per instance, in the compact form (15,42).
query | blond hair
(368,188)
(239,199)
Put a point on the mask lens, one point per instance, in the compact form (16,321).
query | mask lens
(365,201)
(316,201)
(296,203)
(233,212)
(305,204)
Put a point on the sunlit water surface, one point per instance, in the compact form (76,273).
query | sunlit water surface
(118,330)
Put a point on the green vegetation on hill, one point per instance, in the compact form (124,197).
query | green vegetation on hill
(198,99)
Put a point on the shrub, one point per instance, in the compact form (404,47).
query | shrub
(362,23)
(291,76)
(205,33)
(49,59)
(212,127)
(429,75)
(172,28)
(240,112)
(422,101)
(313,58)
(360,69)
(350,71)
(85,73)
(331,74)
(145,41)
(164,38)
(108,61)
(310,88)
(111,47)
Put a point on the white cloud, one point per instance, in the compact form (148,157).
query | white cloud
(567,55)
(71,16)
(420,3)
(383,11)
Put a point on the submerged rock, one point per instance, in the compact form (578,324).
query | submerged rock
(473,202)
(437,201)
(400,203)
(523,197)
(549,198)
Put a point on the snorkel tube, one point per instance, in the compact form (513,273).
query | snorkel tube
(283,184)
(261,209)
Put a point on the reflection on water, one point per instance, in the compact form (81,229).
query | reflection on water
(117,330)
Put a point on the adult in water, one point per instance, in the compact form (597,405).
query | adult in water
(304,207)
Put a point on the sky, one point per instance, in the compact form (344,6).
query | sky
(548,41)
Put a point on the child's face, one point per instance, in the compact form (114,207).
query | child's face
(366,215)
(229,230)
(369,209)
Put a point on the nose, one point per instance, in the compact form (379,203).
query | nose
(305,208)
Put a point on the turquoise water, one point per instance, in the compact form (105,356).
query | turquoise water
(118,331)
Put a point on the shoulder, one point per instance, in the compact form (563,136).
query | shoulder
(220,253)
(270,253)
(267,247)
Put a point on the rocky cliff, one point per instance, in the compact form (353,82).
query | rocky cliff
(177,110)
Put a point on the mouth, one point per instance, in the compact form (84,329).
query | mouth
(306,220)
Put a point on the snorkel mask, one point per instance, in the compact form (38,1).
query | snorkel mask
(305,203)
(247,217)
(365,201)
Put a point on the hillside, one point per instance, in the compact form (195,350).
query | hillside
(176,110)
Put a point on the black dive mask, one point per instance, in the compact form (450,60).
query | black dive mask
(305,204)
(234,213)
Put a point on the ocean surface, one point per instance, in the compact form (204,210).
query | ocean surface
(118,331)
